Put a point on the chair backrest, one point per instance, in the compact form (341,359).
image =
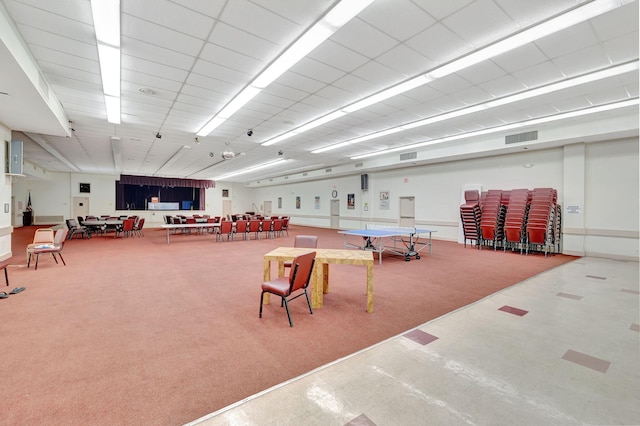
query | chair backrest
(266,224)
(127,224)
(71,223)
(140,223)
(43,235)
(254,225)
(241,226)
(80,220)
(226,226)
(300,274)
(285,222)
(306,241)
(61,235)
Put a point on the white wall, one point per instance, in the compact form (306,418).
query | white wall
(5,196)
(607,179)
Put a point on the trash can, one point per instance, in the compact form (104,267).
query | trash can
(27,218)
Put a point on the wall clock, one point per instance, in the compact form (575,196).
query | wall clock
(334,194)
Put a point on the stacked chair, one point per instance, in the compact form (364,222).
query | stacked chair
(541,220)
(470,217)
(492,219)
(515,219)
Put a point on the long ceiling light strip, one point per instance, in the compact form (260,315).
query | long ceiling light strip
(533,122)
(543,90)
(339,15)
(536,32)
(106,21)
(251,169)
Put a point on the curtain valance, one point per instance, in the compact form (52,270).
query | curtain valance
(170,182)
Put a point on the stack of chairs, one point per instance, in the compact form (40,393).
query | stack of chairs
(515,219)
(541,223)
(492,219)
(470,216)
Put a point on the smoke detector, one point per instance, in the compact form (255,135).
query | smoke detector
(228,155)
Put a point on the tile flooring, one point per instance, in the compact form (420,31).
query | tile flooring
(562,348)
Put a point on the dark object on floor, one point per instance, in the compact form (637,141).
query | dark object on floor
(3,295)
(3,265)
(17,290)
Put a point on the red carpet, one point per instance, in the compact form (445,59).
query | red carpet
(135,331)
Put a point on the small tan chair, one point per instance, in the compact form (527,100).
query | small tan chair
(303,241)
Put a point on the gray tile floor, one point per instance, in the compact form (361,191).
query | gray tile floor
(560,348)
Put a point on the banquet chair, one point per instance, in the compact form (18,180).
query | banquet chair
(254,226)
(303,241)
(137,228)
(285,224)
(266,227)
(276,229)
(53,248)
(75,229)
(41,236)
(297,281)
(226,228)
(242,228)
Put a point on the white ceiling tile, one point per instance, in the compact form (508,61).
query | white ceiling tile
(400,19)
(583,61)
(442,9)
(539,75)
(566,41)
(503,86)
(299,81)
(152,68)
(482,72)
(363,38)
(520,58)
(623,48)
(154,53)
(338,56)
(170,15)
(616,23)
(234,60)
(317,70)
(405,61)
(244,43)
(480,23)
(153,82)
(439,44)
(222,73)
(153,33)
(527,12)
(379,75)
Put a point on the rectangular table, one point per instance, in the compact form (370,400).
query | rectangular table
(174,226)
(372,240)
(321,269)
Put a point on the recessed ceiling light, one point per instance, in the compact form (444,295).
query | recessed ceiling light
(146,91)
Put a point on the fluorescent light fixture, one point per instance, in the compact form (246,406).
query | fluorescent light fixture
(533,122)
(339,15)
(112,105)
(116,149)
(106,21)
(175,157)
(549,88)
(109,69)
(251,169)
(536,32)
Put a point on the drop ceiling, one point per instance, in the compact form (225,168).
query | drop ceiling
(183,60)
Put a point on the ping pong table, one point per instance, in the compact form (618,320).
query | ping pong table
(406,241)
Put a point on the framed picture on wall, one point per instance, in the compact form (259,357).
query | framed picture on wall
(85,187)
(225,193)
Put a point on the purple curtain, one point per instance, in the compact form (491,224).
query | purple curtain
(160,181)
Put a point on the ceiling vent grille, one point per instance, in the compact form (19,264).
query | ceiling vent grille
(286,177)
(359,165)
(408,156)
(305,174)
(521,137)
(327,170)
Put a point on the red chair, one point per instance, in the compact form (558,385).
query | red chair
(303,241)
(297,281)
(285,224)
(226,228)
(266,227)
(276,229)
(127,228)
(137,228)
(242,228)
(254,226)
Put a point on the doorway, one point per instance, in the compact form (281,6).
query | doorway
(334,214)
(226,208)
(267,208)
(407,212)
(80,207)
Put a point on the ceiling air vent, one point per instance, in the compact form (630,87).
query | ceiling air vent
(305,174)
(327,170)
(286,177)
(359,165)
(408,156)
(521,137)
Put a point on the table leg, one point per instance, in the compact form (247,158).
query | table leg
(266,298)
(167,235)
(370,287)
(325,278)
(316,286)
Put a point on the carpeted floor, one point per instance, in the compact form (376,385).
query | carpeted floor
(135,331)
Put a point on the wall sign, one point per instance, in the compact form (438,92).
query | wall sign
(85,187)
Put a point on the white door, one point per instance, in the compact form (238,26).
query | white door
(226,208)
(267,208)
(408,212)
(335,214)
(80,207)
